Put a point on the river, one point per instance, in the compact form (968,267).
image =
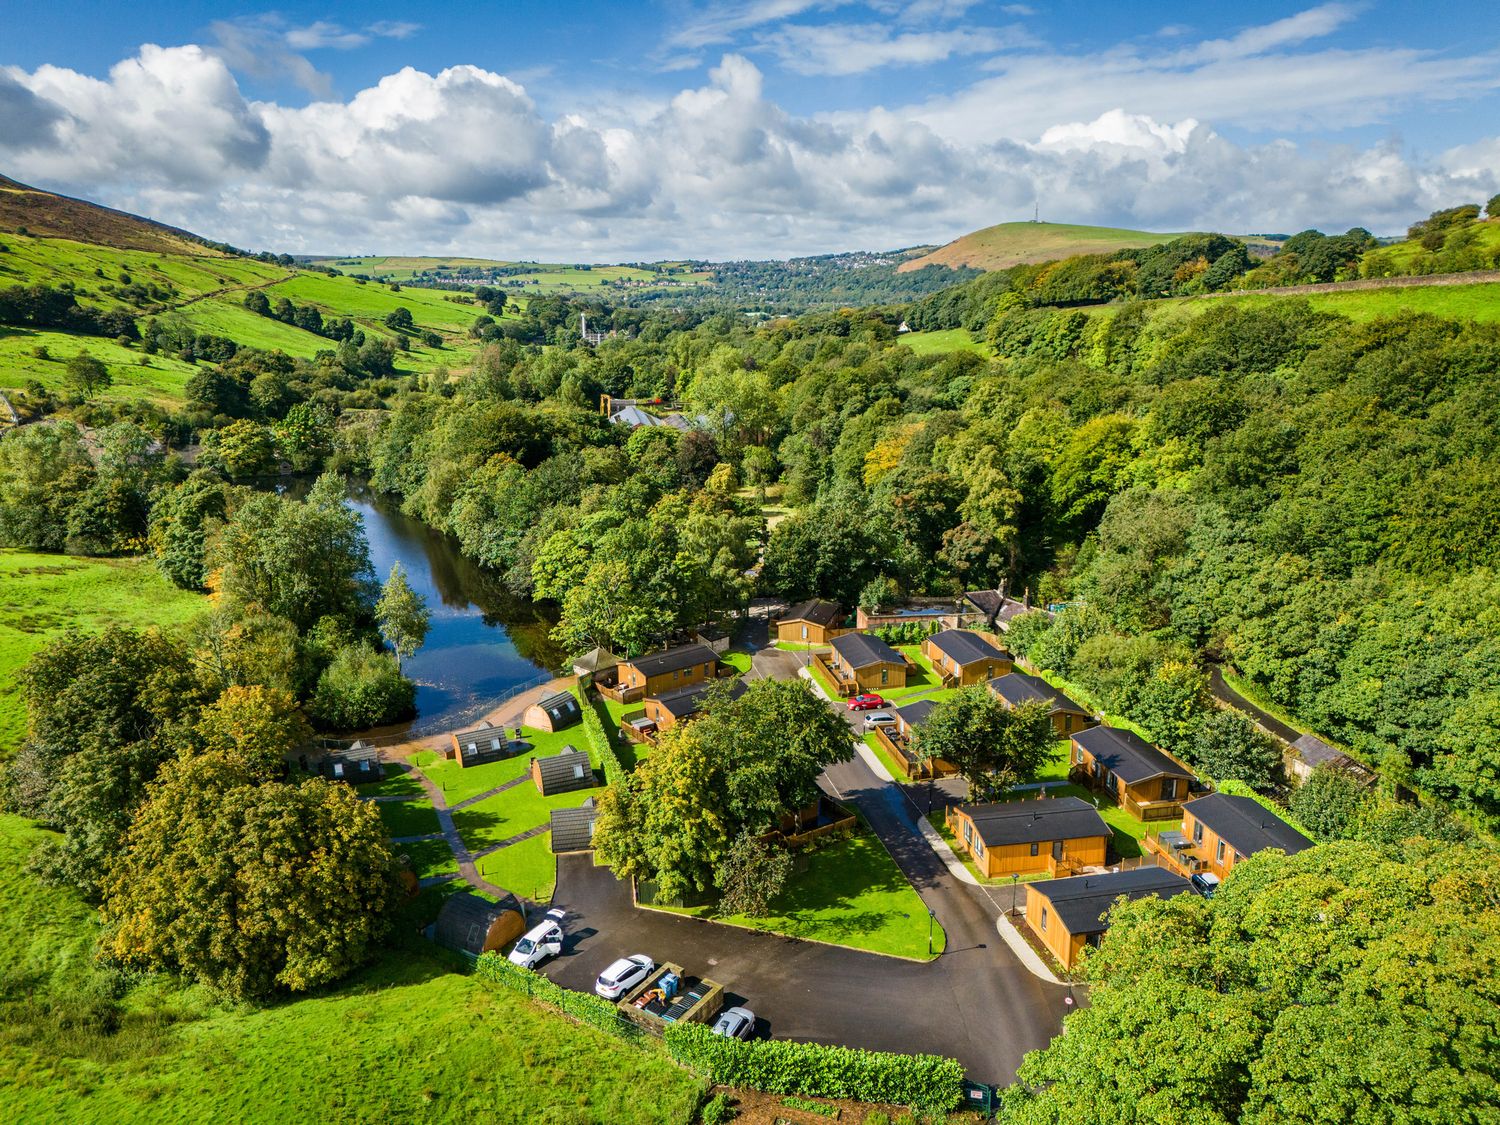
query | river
(483,640)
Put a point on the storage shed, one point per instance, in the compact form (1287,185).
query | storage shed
(553,713)
(562,773)
(472,925)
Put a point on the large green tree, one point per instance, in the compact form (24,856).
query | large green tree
(992,745)
(402,615)
(251,888)
(1348,983)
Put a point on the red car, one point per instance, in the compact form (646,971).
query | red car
(867,702)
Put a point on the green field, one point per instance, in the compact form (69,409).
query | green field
(161,381)
(1478,301)
(45,595)
(849,892)
(531,278)
(942,342)
(409,1039)
(1009,244)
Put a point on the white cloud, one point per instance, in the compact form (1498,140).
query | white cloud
(463,161)
(267,47)
(842,49)
(721,22)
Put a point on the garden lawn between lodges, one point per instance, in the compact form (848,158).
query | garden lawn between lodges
(46,595)
(428,858)
(848,892)
(408,1039)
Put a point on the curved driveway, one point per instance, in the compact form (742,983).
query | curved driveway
(975,1003)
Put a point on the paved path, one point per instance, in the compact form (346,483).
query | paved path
(1226,694)
(488,793)
(975,1003)
(516,839)
(466,867)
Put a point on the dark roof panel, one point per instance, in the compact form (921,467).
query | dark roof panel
(1246,825)
(573,829)
(684,701)
(1035,822)
(966,646)
(915,714)
(1129,756)
(815,612)
(1017,688)
(1081,902)
(561,772)
(464,922)
(860,650)
(672,659)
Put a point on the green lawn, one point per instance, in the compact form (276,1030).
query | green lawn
(397,782)
(739,661)
(942,342)
(160,381)
(409,1039)
(408,818)
(459,783)
(510,813)
(529,868)
(891,765)
(850,893)
(45,595)
(1056,766)
(429,857)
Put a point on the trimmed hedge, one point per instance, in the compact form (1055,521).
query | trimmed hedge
(614,771)
(583,1007)
(926,1082)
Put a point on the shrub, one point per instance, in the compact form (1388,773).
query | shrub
(361,688)
(927,1082)
(877,1117)
(582,1006)
(603,745)
(717,1110)
(793,1102)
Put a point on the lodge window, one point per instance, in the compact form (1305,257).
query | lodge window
(1219,852)
(1036,849)
(884,675)
(1197,832)
(1169,789)
(1044,917)
(968,833)
(804,632)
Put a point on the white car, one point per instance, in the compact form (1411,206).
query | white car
(735,1023)
(623,975)
(543,940)
(879,719)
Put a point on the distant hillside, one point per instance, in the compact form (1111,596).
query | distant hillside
(1011,244)
(51,215)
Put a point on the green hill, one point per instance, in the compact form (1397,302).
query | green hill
(1011,244)
(47,213)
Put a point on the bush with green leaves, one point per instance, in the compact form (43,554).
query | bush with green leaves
(927,1082)
(717,1110)
(582,1006)
(361,688)
(604,746)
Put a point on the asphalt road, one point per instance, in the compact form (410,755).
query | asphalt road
(975,1003)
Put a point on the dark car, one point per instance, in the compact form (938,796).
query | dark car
(1205,883)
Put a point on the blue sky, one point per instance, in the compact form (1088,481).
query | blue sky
(582,131)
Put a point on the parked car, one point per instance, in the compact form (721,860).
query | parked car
(866,702)
(879,719)
(1205,883)
(542,941)
(735,1023)
(623,975)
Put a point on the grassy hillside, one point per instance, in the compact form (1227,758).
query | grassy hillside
(1480,301)
(1405,257)
(529,278)
(46,595)
(1010,244)
(47,213)
(942,341)
(409,1039)
(205,292)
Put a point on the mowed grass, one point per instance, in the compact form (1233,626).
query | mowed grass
(416,817)
(528,869)
(942,342)
(46,595)
(409,1039)
(849,892)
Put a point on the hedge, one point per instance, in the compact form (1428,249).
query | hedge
(583,1007)
(614,772)
(928,1083)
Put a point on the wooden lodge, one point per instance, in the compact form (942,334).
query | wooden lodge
(572,830)
(659,672)
(1017,688)
(554,713)
(860,662)
(899,741)
(1069,914)
(963,657)
(471,925)
(1143,779)
(1219,831)
(562,773)
(814,622)
(663,712)
(1059,835)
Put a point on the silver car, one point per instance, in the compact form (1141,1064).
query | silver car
(623,975)
(735,1023)
(876,719)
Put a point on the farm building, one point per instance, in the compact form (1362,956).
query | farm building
(1058,835)
(963,657)
(482,744)
(1225,829)
(1016,688)
(662,671)
(815,623)
(861,662)
(573,829)
(472,925)
(1068,914)
(562,773)
(554,713)
(1143,779)
(356,765)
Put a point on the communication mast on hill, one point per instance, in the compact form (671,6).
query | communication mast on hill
(1036,212)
